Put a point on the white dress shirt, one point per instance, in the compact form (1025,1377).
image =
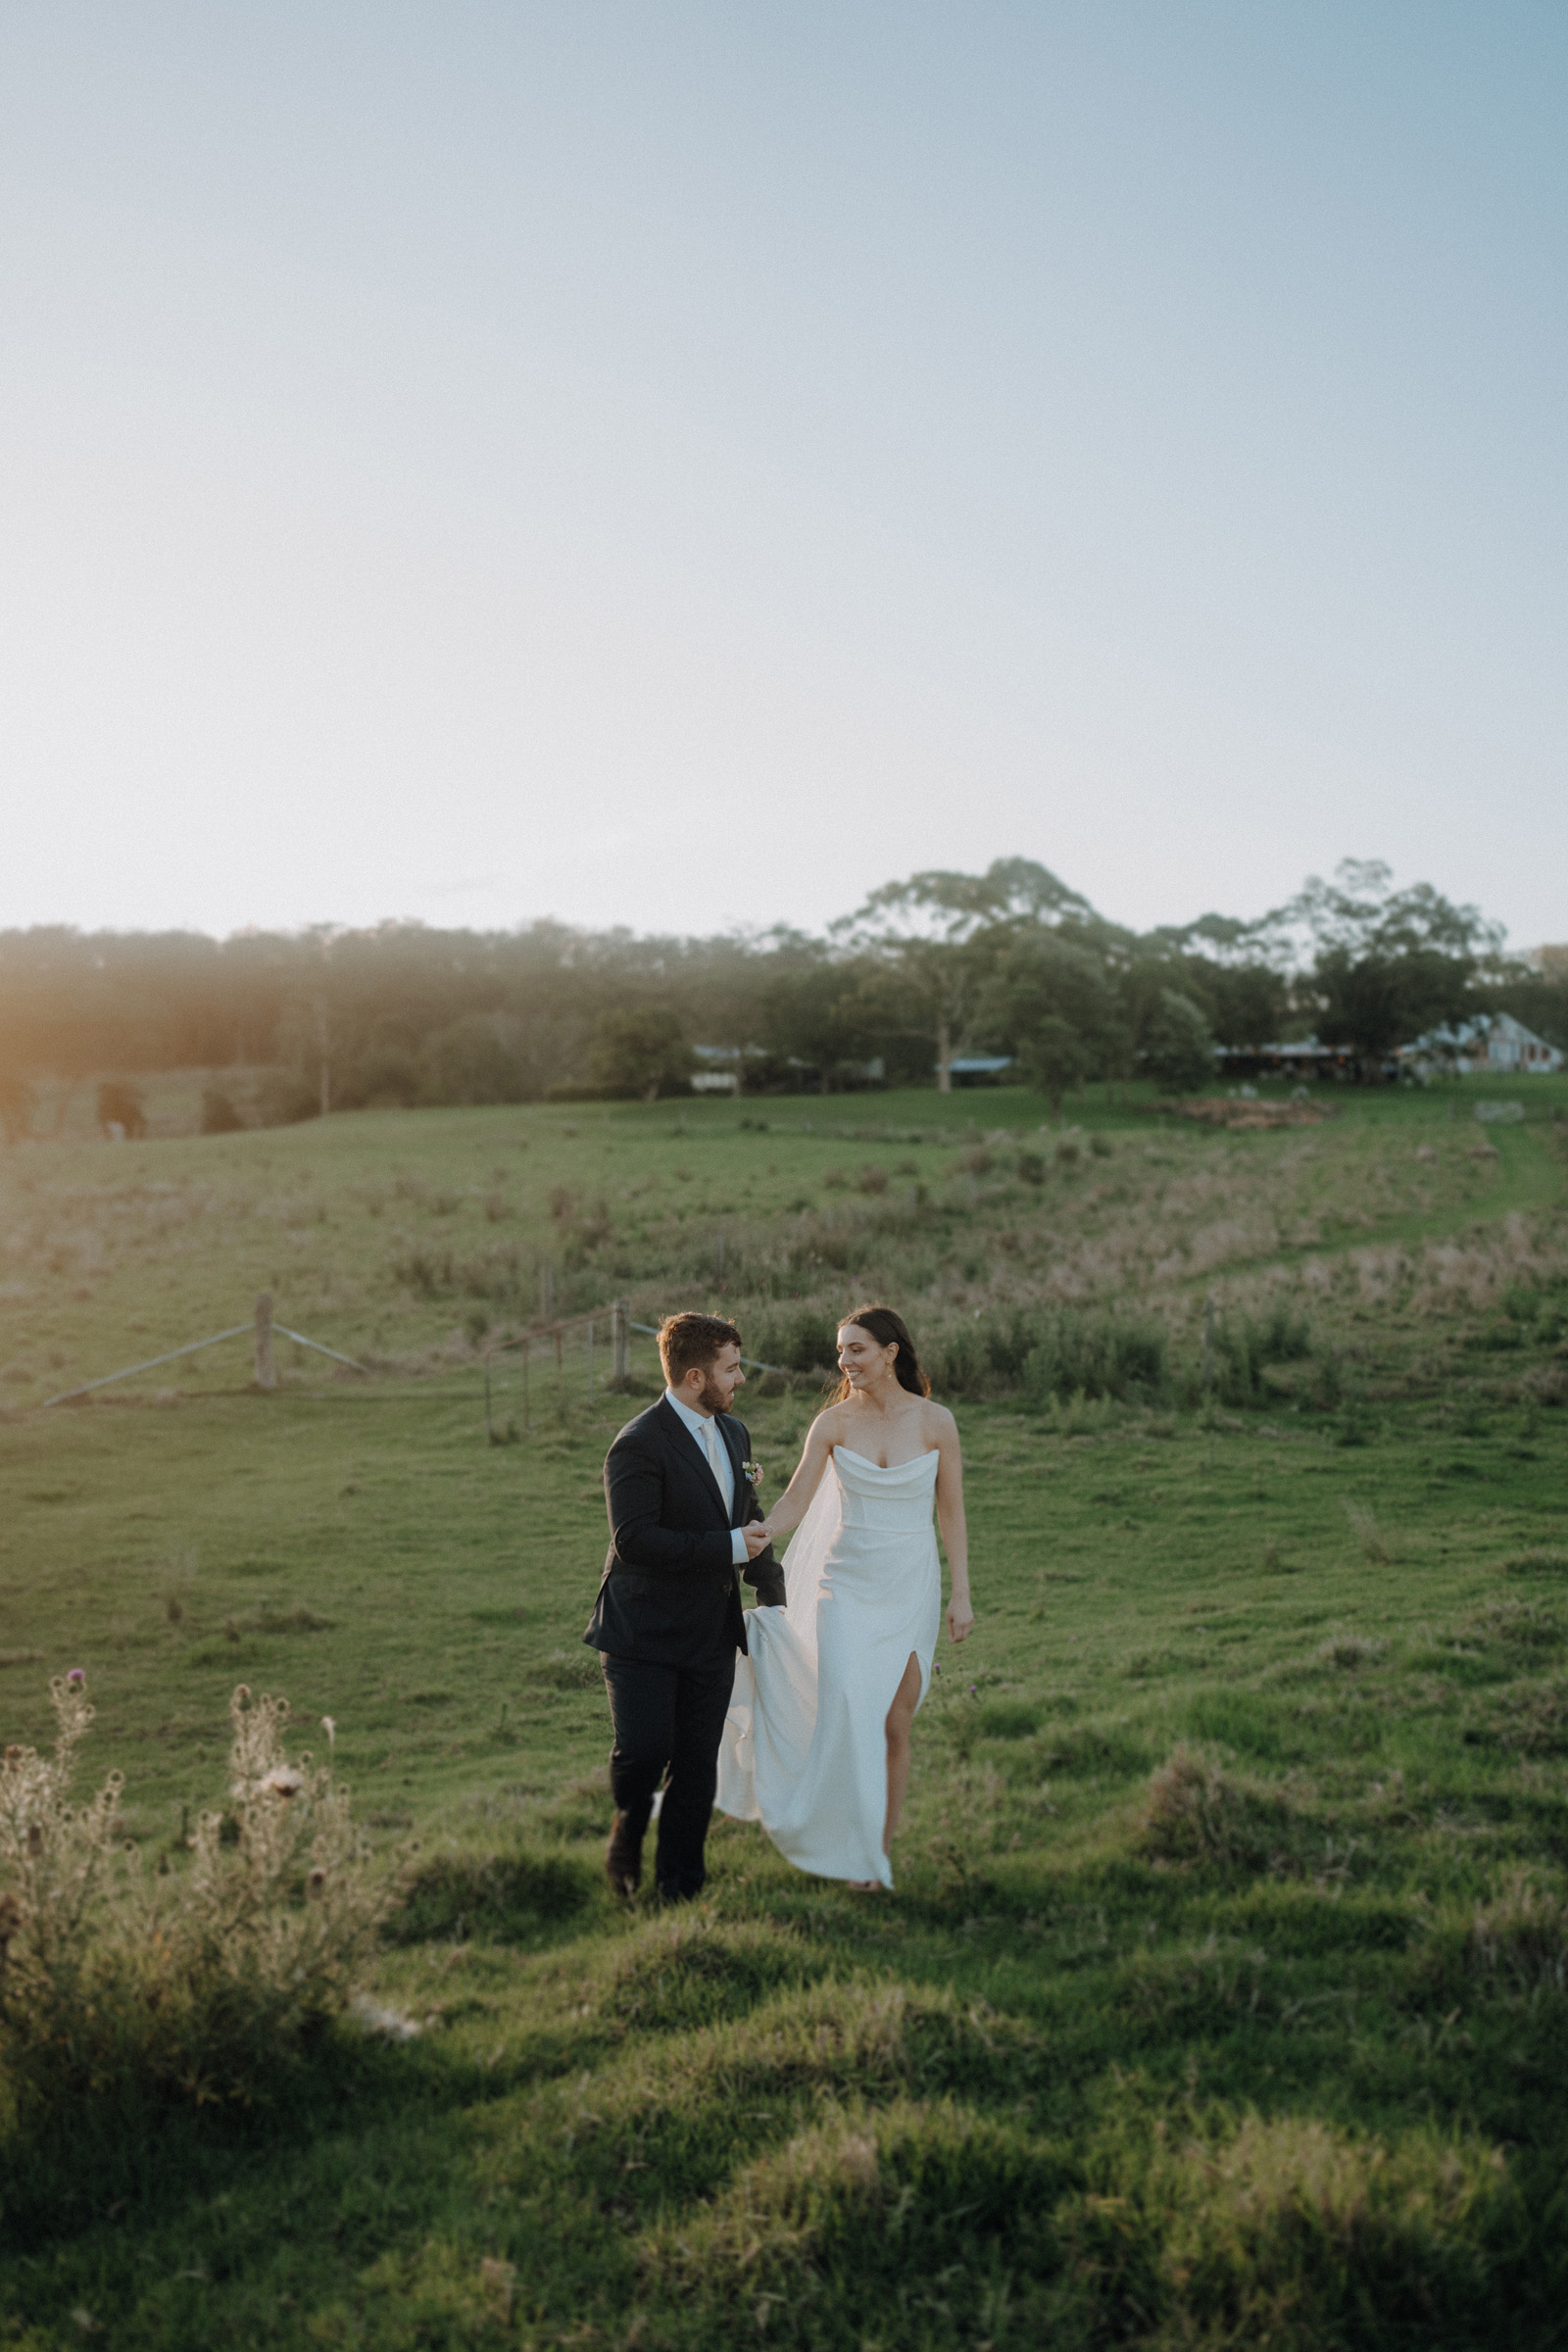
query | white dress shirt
(715,1453)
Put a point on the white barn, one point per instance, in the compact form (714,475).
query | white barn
(1493,1044)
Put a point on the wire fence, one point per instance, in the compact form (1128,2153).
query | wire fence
(503,1428)
(260,1327)
(576,1354)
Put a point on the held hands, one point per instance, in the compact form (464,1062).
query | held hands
(960,1618)
(758,1536)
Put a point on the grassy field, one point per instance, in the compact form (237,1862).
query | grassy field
(1223,1997)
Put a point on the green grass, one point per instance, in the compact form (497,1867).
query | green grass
(1267,2046)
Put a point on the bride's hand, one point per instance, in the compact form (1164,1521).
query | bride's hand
(961,1619)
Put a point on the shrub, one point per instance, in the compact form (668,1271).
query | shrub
(221,1114)
(1179,1054)
(798,1335)
(1054,1056)
(285,1098)
(1047,1353)
(1095,1354)
(427,1272)
(1242,1350)
(385,1076)
(192,1983)
(472,1060)
(57,1863)
(641,1050)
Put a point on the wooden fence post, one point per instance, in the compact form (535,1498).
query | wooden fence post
(621,1340)
(265,1369)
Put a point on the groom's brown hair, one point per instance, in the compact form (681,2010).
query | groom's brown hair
(687,1341)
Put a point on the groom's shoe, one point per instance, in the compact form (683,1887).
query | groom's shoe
(623,1863)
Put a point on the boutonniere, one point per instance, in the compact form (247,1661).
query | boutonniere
(754,1471)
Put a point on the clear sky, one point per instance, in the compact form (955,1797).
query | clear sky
(684,464)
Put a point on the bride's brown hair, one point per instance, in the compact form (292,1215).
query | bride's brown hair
(889,1329)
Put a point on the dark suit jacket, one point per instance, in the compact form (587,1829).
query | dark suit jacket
(670,1591)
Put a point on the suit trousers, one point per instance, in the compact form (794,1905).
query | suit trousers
(670,1716)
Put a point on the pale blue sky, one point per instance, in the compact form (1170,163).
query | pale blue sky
(684,464)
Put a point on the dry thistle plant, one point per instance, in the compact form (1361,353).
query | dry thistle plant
(237,1913)
(192,1978)
(58,1862)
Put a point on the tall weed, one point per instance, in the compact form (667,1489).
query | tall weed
(194,1982)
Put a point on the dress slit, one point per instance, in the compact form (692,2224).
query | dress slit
(913,1659)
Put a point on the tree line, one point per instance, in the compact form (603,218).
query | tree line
(928,969)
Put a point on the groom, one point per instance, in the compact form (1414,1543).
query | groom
(684,1519)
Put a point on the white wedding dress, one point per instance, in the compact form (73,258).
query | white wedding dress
(804,1746)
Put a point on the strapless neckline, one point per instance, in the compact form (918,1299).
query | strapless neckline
(888,1467)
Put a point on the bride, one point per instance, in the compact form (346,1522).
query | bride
(816,1742)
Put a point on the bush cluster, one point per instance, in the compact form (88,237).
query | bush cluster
(189,1984)
(1037,1353)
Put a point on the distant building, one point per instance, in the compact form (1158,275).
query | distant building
(976,1069)
(753,1070)
(1492,1044)
(1294,1057)
(720,1071)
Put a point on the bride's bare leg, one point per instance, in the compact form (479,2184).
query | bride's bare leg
(900,1718)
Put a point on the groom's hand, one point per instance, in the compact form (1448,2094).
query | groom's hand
(755,1537)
